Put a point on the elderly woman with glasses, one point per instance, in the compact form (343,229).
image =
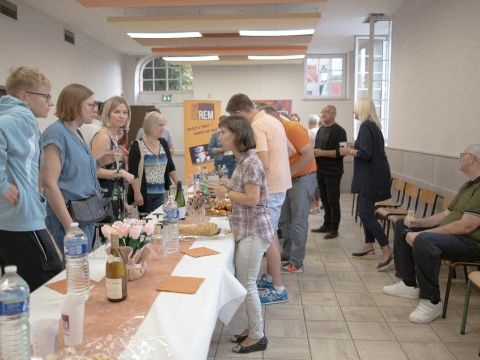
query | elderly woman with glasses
(68,170)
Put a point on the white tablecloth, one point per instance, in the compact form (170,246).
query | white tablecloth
(177,326)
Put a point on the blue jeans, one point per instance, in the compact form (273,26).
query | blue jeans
(294,217)
(55,227)
(421,263)
(275,202)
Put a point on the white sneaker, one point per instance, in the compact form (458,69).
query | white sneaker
(426,312)
(400,289)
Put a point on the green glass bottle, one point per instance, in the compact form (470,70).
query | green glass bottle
(180,199)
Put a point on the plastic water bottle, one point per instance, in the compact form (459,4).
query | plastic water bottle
(224,172)
(170,225)
(76,257)
(14,307)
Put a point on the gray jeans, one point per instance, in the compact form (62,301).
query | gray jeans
(248,258)
(294,217)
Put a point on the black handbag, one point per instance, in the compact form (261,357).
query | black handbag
(91,210)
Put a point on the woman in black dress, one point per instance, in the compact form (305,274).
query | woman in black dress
(371,179)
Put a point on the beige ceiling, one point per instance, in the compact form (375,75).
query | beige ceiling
(220,30)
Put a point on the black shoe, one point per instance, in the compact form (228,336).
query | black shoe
(369,254)
(321,229)
(385,266)
(258,346)
(331,235)
(238,338)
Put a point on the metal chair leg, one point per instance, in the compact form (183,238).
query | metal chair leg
(465,306)
(447,293)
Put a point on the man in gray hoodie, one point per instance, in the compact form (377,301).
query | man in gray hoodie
(24,240)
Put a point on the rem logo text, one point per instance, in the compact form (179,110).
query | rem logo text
(203,111)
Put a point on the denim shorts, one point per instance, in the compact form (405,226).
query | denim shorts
(275,202)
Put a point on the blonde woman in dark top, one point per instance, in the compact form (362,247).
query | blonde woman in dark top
(371,179)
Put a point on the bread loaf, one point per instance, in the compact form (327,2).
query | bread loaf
(206,229)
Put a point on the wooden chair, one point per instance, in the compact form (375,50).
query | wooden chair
(426,197)
(451,270)
(473,277)
(410,199)
(398,187)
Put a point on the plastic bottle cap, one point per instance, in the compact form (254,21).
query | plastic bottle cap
(10,269)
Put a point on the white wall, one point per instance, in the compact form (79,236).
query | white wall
(37,40)
(435,76)
(265,82)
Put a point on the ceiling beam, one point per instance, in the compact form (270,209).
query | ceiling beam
(177,3)
(233,50)
(225,23)
(224,41)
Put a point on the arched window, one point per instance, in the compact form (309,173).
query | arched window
(158,75)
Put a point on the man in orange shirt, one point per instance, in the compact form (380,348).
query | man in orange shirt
(295,209)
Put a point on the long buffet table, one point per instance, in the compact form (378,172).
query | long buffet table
(176,326)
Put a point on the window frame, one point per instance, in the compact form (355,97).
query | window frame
(343,80)
(166,69)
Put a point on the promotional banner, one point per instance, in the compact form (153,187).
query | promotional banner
(283,107)
(200,121)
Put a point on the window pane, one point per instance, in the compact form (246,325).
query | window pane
(174,85)
(147,74)
(174,72)
(148,86)
(325,76)
(149,64)
(159,62)
(160,85)
(160,74)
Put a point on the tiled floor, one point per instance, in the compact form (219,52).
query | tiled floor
(337,311)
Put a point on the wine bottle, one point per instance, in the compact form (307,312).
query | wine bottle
(116,272)
(180,199)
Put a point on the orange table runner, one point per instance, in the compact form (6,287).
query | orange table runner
(108,326)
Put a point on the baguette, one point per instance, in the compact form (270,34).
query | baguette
(206,229)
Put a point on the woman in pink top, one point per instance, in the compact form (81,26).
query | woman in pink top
(249,222)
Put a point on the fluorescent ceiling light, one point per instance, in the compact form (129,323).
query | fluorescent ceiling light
(275,57)
(191,58)
(171,35)
(276,32)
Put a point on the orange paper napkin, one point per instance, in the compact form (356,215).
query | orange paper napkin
(180,284)
(61,285)
(201,251)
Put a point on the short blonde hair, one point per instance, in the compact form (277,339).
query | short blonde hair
(110,105)
(365,110)
(150,119)
(70,101)
(25,78)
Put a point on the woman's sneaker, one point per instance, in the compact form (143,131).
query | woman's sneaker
(264,282)
(272,296)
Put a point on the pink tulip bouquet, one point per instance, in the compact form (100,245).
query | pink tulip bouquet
(134,236)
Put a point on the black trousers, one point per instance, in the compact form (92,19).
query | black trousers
(329,189)
(34,254)
(421,263)
(371,227)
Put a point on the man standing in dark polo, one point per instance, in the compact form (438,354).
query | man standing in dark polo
(329,170)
